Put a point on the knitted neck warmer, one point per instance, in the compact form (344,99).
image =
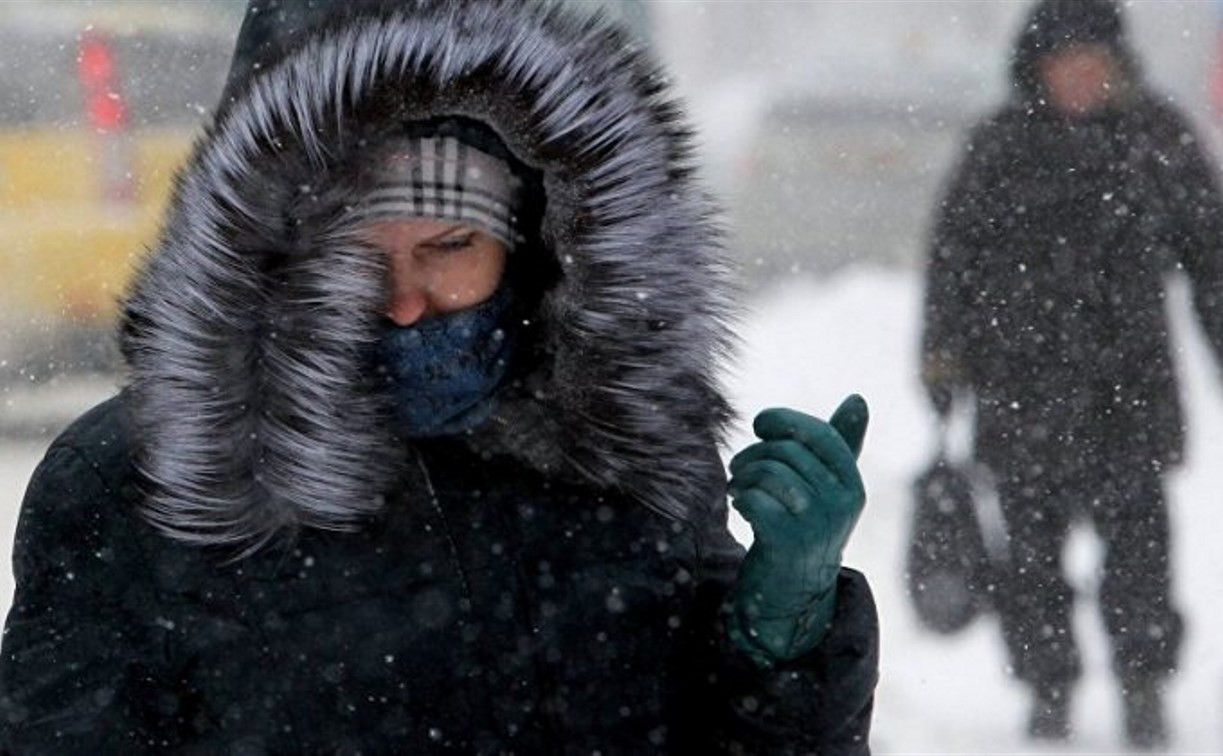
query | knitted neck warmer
(444,370)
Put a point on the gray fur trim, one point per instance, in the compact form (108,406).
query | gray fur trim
(245,328)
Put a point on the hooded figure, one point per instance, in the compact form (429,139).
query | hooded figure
(1045,299)
(417,451)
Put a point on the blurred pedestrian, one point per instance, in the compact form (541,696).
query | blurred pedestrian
(1046,299)
(417,451)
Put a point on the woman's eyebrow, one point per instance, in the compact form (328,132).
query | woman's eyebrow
(450,232)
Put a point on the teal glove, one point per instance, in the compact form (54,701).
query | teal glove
(799,489)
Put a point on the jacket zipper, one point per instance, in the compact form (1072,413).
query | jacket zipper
(451,547)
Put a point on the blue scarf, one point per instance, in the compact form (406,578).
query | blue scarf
(444,370)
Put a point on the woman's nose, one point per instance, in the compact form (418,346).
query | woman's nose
(405,308)
(408,298)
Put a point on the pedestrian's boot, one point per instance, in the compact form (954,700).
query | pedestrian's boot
(1143,705)
(1050,717)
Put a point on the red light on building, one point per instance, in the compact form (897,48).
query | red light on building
(99,77)
(95,62)
(106,112)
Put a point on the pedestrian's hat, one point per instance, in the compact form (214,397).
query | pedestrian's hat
(1057,23)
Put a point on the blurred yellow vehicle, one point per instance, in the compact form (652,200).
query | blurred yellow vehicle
(66,242)
(98,107)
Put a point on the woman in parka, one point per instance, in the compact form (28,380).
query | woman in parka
(417,451)
(1045,298)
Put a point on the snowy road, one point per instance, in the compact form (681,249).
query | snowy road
(807,345)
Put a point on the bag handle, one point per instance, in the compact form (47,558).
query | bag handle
(942,433)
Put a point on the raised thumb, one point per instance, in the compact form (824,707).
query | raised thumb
(850,421)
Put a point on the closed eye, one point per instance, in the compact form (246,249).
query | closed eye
(452,243)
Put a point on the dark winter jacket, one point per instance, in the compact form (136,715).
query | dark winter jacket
(236,555)
(1046,281)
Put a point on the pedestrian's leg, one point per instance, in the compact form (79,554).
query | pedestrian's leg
(1135,596)
(1035,600)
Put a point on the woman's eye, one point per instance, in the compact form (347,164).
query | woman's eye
(452,243)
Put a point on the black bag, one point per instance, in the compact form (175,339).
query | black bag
(948,567)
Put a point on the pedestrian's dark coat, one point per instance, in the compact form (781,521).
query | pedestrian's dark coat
(236,556)
(1046,297)
(1046,286)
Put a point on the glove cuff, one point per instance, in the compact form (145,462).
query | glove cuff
(769,638)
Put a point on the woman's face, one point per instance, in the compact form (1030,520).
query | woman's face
(1080,79)
(436,266)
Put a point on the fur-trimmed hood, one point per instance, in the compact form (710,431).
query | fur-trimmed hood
(247,328)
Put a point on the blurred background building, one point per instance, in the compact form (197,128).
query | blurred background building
(826,128)
(829,126)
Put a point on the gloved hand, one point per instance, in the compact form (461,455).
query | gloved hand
(799,489)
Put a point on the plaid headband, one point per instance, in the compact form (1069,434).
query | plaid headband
(444,177)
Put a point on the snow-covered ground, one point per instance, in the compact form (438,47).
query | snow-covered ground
(807,344)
